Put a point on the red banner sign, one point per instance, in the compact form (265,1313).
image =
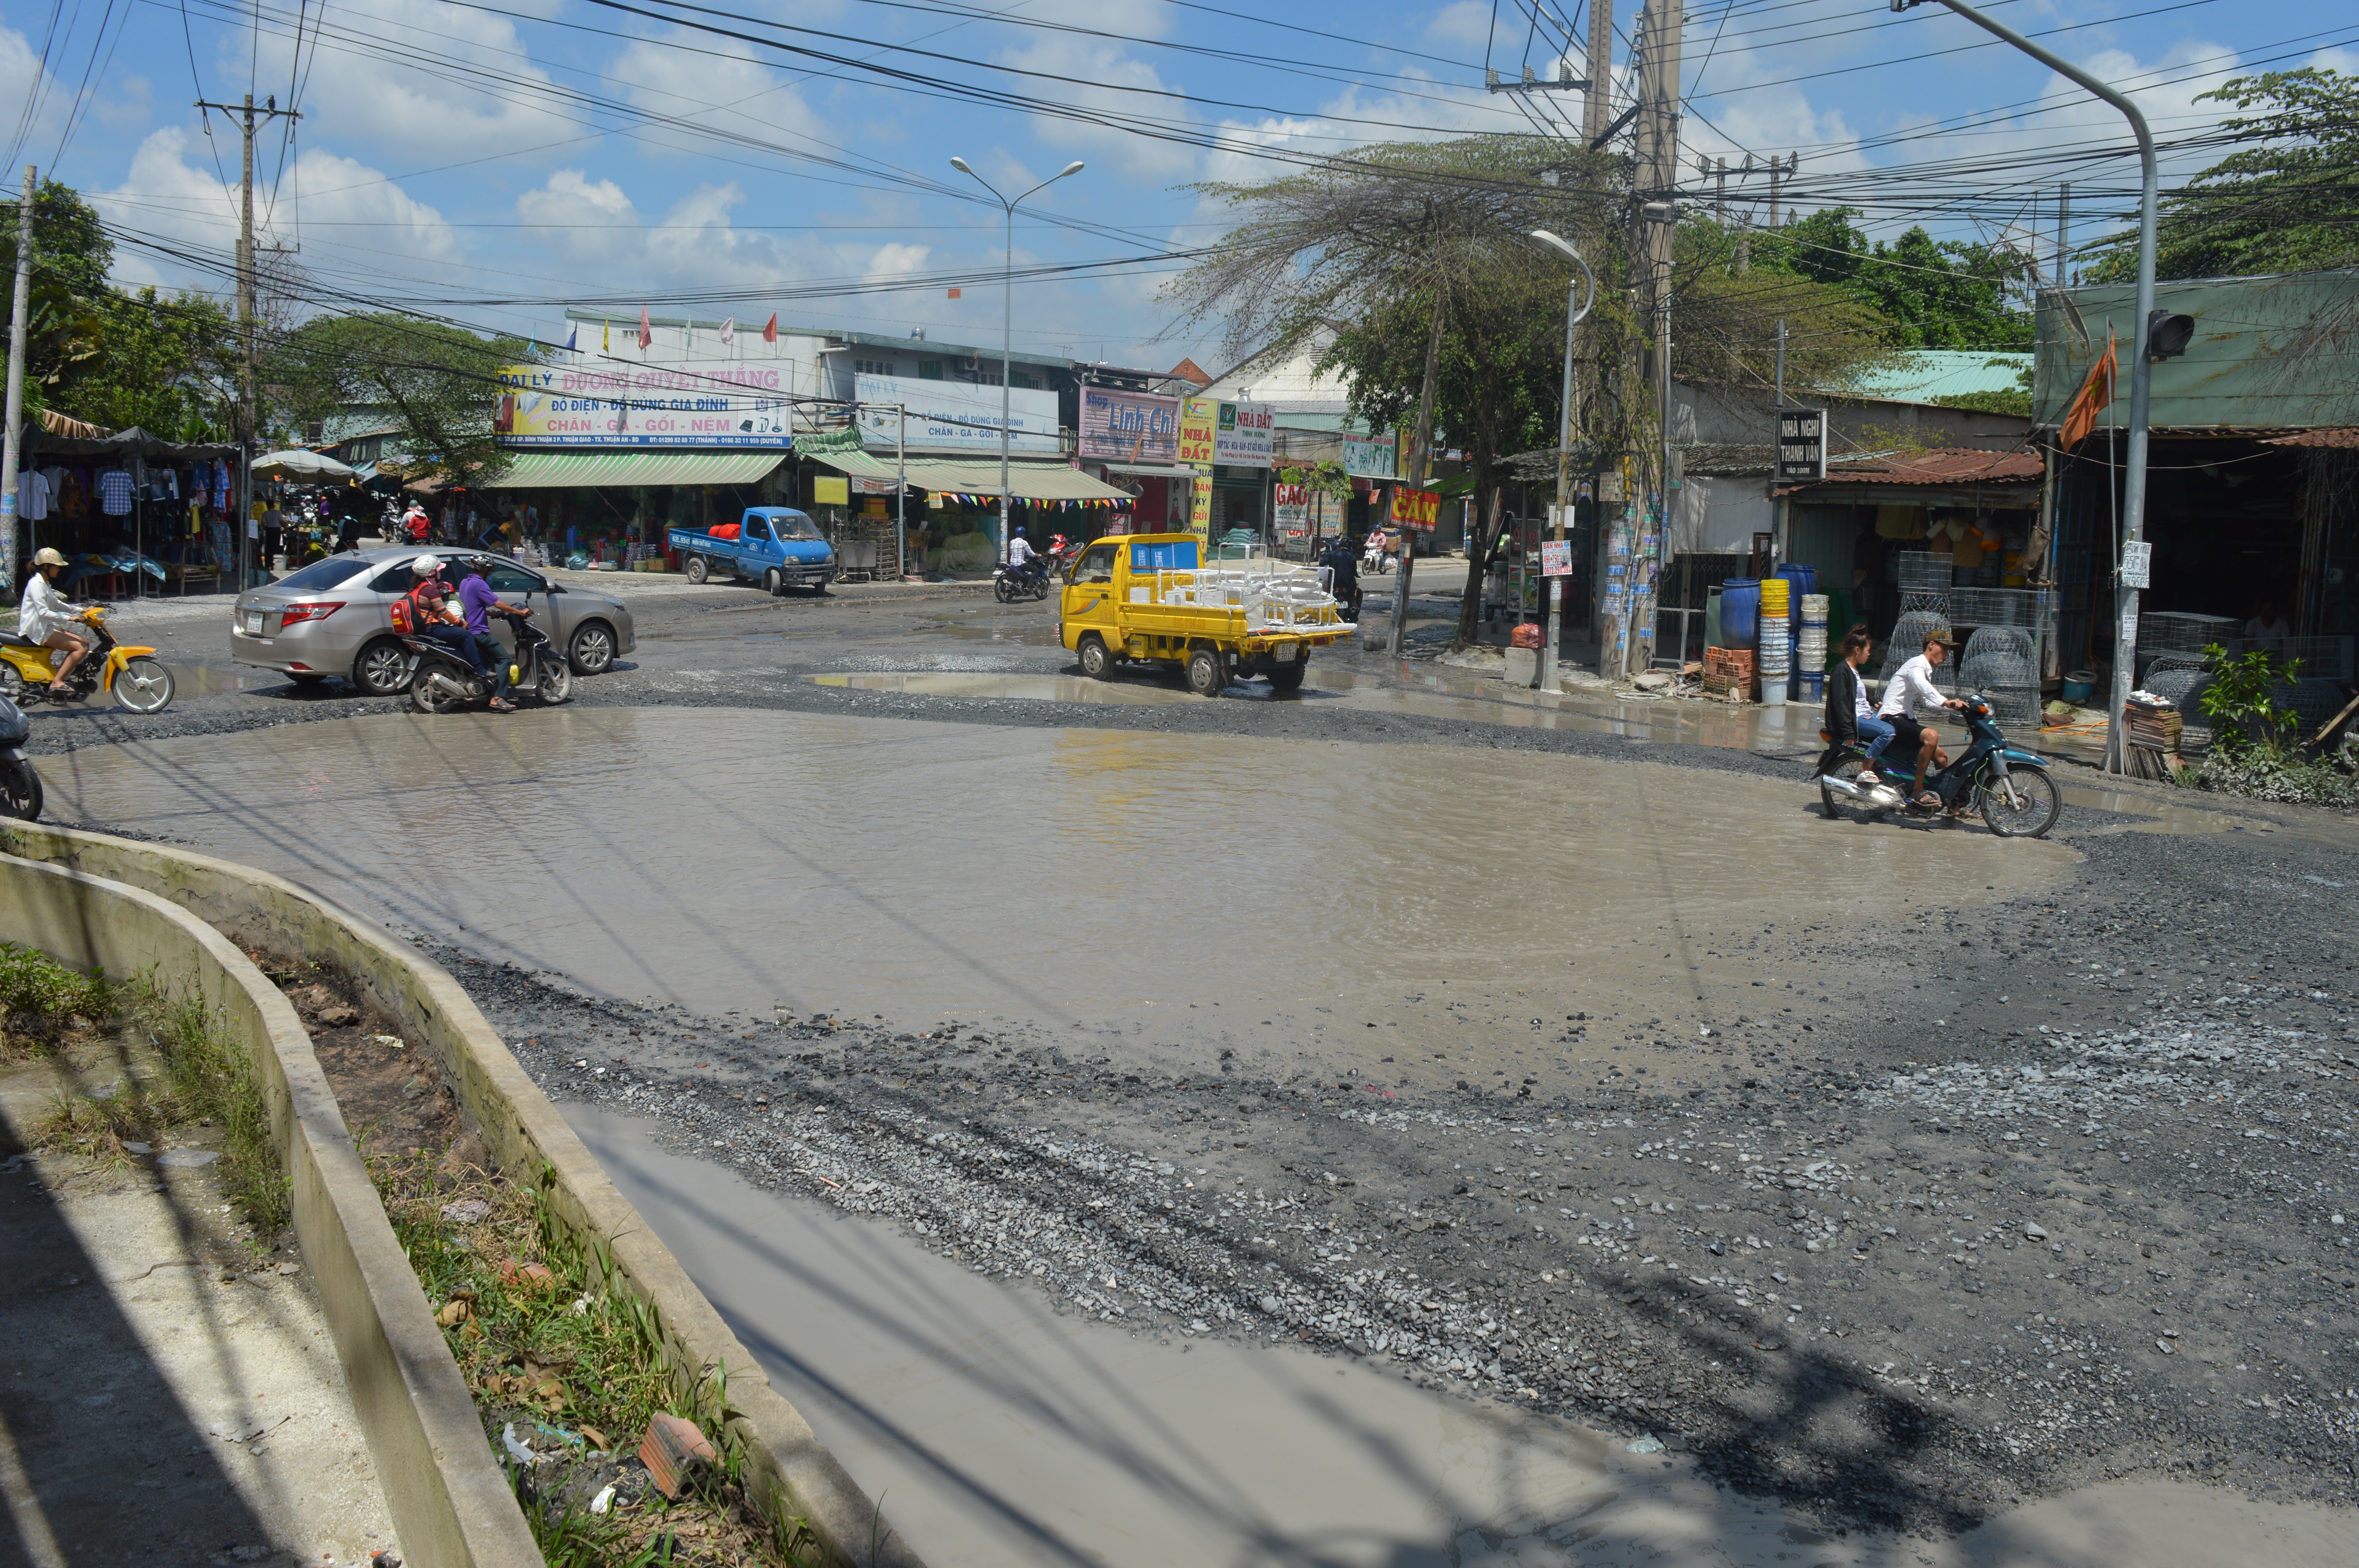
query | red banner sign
(1418,509)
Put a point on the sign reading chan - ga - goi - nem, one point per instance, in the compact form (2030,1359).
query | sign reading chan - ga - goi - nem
(1418,509)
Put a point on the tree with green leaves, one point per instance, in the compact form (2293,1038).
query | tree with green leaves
(1931,294)
(437,384)
(2285,200)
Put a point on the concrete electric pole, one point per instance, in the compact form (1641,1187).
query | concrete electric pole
(248,411)
(1598,111)
(1655,198)
(15,397)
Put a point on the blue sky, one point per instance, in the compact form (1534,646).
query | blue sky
(492,162)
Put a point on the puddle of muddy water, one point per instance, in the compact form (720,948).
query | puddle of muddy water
(999,1433)
(1170,889)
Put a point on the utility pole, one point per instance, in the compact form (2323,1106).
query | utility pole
(1781,169)
(1597,113)
(1657,199)
(248,393)
(2063,230)
(13,454)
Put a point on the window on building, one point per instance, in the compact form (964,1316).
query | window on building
(929,370)
(873,367)
(1023,378)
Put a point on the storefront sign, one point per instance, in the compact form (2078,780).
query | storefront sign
(830,490)
(1556,558)
(1418,509)
(1244,436)
(1200,425)
(956,415)
(1370,459)
(1293,510)
(695,404)
(1200,509)
(1129,426)
(1801,444)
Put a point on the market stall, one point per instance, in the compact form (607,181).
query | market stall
(132,513)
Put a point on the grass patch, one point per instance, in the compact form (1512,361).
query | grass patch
(207,1078)
(41,1001)
(572,1373)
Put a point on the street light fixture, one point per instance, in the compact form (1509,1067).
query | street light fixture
(1007,318)
(2141,364)
(1572,317)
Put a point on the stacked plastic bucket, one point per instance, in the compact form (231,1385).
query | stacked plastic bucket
(1776,663)
(1810,650)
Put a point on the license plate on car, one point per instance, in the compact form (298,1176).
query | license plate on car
(1283,652)
(250,622)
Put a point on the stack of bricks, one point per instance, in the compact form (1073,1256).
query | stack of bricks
(1728,672)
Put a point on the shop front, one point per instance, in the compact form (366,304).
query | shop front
(131,513)
(951,524)
(613,509)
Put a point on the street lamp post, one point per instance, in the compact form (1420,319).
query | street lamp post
(2141,367)
(1573,312)
(1007,318)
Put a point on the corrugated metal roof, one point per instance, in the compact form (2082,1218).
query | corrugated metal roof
(2344,440)
(1927,374)
(961,476)
(566,471)
(1962,466)
(2272,352)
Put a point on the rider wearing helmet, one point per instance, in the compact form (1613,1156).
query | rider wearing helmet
(1021,555)
(45,617)
(436,618)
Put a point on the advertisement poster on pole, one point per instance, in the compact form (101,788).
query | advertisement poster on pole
(1556,558)
(1417,509)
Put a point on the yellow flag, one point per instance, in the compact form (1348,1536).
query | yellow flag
(606,337)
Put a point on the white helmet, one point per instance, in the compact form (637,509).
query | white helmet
(426,566)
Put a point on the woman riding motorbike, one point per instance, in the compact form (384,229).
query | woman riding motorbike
(1852,721)
(44,617)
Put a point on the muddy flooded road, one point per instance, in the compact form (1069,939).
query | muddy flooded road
(1169,894)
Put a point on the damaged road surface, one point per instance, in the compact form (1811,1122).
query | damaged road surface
(1125,1152)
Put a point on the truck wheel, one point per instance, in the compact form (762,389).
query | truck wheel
(772,582)
(1288,677)
(1208,673)
(1097,659)
(696,569)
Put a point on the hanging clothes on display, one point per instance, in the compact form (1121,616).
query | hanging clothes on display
(114,488)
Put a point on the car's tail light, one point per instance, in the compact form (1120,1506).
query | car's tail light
(295,613)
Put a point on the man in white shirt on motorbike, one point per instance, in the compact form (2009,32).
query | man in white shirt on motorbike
(1912,687)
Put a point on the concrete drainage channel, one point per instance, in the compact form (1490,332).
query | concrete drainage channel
(131,908)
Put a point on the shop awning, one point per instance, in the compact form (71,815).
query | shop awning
(569,470)
(1146,470)
(970,476)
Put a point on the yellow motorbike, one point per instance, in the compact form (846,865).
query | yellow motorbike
(136,676)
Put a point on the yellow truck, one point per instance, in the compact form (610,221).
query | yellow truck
(1151,599)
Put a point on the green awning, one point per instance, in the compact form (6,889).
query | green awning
(976,476)
(565,470)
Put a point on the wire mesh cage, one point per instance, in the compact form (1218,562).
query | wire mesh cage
(1922,570)
(2183,631)
(1998,606)
(2002,664)
(1908,636)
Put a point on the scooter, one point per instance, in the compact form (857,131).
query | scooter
(444,677)
(1010,582)
(2009,787)
(20,786)
(1062,553)
(136,678)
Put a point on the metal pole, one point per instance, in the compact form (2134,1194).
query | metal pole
(11,455)
(246,394)
(1781,362)
(1007,349)
(901,496)
(1575,310)
(2141,367)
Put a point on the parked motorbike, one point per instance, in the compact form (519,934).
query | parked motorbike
(1010,582)
(20,786)
(136,678)
(445,677)
(1062,554)
(2009,788)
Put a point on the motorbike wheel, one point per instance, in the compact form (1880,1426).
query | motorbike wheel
(1002,590)
(11,683)
(1846,769)
(427,697)
(20,790)
(2035,808)
(555,683)
(145,686)
(1040,586)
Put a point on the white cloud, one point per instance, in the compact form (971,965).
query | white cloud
(170,193)
(711,81)
(1466,24)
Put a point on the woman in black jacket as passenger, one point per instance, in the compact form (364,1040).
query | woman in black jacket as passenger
(1850,718)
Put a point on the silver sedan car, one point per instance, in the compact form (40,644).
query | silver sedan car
(334,617)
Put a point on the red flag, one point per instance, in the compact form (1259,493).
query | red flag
(646,330)
(955,294)
(770,332)
(2096,395)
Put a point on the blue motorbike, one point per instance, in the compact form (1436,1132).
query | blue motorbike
(2010,789)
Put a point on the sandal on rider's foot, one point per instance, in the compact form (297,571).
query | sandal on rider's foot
(502,704)
(1927,801)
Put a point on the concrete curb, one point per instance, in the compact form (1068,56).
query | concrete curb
(788,1469)
(449,1501)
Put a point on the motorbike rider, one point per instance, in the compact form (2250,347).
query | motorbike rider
(436,618)
(1342,563)
(1850,721)
(1021,555)
(43,616)
(1912,687)
(478,602)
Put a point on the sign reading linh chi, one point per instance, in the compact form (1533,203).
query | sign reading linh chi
(707,402)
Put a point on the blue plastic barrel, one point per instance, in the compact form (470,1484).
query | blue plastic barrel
(1800,580)
(1740,612)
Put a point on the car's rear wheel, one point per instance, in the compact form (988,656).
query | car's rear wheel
(1288,677)
(591,649)
(383,669)
(696,569)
